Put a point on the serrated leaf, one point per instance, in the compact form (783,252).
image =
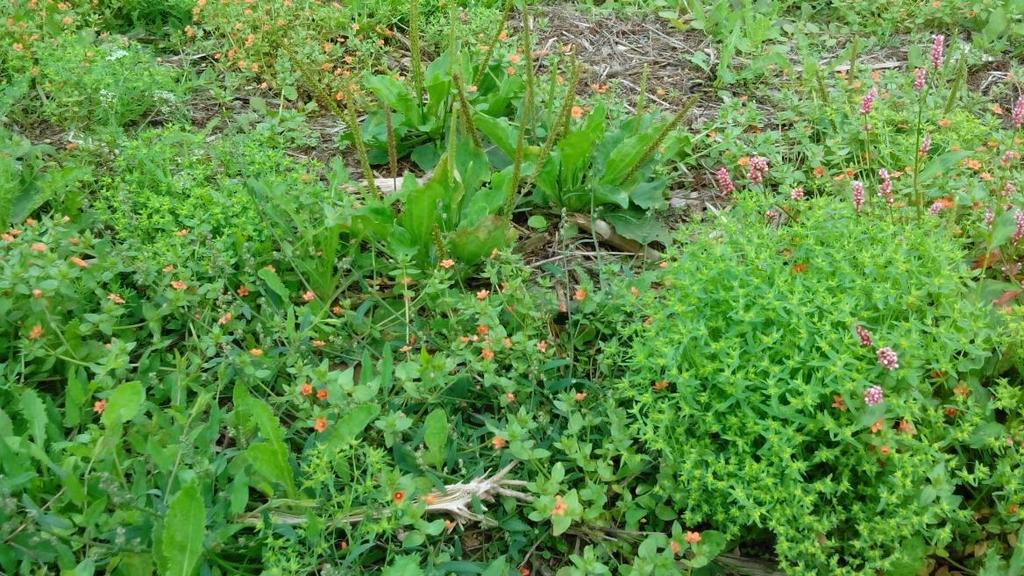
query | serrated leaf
(34,412)
(123,404)
(183,532)
(274,282)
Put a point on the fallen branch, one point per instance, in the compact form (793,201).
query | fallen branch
(453,501)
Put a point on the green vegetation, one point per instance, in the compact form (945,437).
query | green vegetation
(311,287)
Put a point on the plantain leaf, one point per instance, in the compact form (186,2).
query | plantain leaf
(183,533)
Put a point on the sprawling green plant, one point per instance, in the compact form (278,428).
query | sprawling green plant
(823,380)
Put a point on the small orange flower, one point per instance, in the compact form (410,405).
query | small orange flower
(306,389)
(447,263)
(318,343)
(35,332)
(884,450)
(838,403)
(115,298)
(819,171)
(743,161)
(634,291)
(336,310)
(503,36)
(510,397)
(79,262)
(660,385)
(320,424)
(907,428)
(580,396)
(38,247)
(542,346)
(487,354)
(256,352)
(482,294)
(482,330)
(506,342)
(675,547)
(398,497)
(961,390)
(560,507)
(321,394)
(181,233)
(99,406)
(580,295)
(225,318)
(1012,509)
(945,123)
(576,111)
(168,269)
(513,58)
(510,71)
(178,285)
(37,293)
(242,291)
(692,537)
(308,296)
(498,442)
(950,412)
(270,267)
(799,268)
(524,571)
(877,426)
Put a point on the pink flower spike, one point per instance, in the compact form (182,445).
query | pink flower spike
(919,76)
(858,195)
(864,335)
(885,189)
(1018,219)
(873,396)
(926,144)
(887,358)
(868,101)
(724,182)
(797,194)
(938,47)
(1018,112)
(758,169)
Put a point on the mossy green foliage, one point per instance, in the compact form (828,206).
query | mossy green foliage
(763,430)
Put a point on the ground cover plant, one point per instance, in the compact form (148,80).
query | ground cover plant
(477,287)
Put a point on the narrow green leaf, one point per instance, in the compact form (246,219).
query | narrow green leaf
(34,412)
(435,435)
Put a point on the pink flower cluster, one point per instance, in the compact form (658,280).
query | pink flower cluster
(938,46)
(873,396)
(1018,112)
(935,208)
(772,216)
(919,76)
(858,195)
(868,101)
(1018,232)
(887,358)
(990,217)
(864,335)
(926,144)
(797,194)
(724,182)
(758,169)
(885,189)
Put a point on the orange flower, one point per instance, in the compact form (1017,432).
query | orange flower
(256,352)
(182,232)
(79,262)
(168,269)
(482,330)
(510,397)
(884,450)
(225,318)
(115,298)
(950,412)
(692,537)
(498,442)
(308,296)
(542,346)
(580,295)
(560,507)
(675,547)
(799,268)
(524,571)
(944,123)
(99,406)
(398,497)
(634,291)
(743,161)
(37,293)
(660,385)
(482,294)
(336,310)
(838,403)
(819,171)
(178,285)
(961,390)
(320,424)
(38,247)
(576,111)
(35,332)
(318,343)
(242,291)
(503,36)
(877,426)
(506,342)
(580,396)
(487,354)
(513,58)
(907,428)
(510,71)
(306,389)
(321,394)
(448,262)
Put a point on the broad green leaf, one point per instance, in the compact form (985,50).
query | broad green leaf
(270,461)
(1002,229)
(398,95)
(352,423)
(183,532)
(472,245)
(497,568)
(1017,560)
(404,566)
(435,435)
(421,214)
(499,131)
(711,544)
(627,155)
(274,283)
(537,222)
(123,404)
(940,164)
(34,412)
